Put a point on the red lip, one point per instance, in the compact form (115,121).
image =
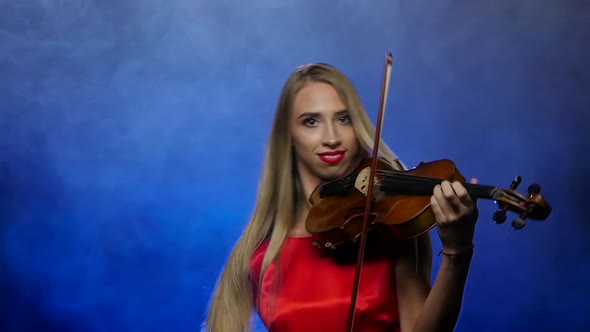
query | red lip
(332,157)
(331,153)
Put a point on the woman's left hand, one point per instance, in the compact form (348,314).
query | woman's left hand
(456,214)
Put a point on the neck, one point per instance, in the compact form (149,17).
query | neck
(415,185)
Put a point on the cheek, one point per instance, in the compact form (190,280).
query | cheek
(351,140)
(306,139)
(301,143)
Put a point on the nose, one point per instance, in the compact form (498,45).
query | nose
(331,136)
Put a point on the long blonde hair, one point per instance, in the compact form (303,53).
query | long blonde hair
(232,303)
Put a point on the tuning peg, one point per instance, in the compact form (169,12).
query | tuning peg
(515,183)
(534,189)
(499,216)
(518,223)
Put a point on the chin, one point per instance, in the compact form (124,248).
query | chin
(334,173)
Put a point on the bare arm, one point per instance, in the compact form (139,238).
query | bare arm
(421,307)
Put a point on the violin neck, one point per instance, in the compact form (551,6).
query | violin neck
(394,184)
(481,191)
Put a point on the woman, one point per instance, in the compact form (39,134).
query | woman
(320,132)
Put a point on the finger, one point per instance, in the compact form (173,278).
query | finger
(438,213)
(441,194)
(450,196)
(474,181)
(462,194)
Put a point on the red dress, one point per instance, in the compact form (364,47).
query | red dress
(314,291)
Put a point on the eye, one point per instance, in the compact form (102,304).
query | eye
(344,118)
(310,122)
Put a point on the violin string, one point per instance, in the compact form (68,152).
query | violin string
(394,174)
(392,177)
(425,185)
(428,185)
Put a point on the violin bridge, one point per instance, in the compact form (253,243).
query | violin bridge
(362,182)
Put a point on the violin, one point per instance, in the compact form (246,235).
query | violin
(375,198)
(400,205)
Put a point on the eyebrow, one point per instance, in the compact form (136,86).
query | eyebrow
(306,114)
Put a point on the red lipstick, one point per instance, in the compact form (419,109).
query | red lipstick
(332,157)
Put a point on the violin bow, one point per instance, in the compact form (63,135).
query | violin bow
(363,243)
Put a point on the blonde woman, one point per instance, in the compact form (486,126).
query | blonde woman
(321,132)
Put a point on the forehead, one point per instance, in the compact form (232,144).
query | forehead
(317,97)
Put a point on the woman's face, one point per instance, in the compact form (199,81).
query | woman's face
(325,143)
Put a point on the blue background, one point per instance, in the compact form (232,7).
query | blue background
(132,134)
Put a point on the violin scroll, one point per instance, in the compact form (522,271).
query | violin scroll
(532,206)
(499,216)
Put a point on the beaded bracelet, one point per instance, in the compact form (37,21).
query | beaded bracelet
(459,253)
